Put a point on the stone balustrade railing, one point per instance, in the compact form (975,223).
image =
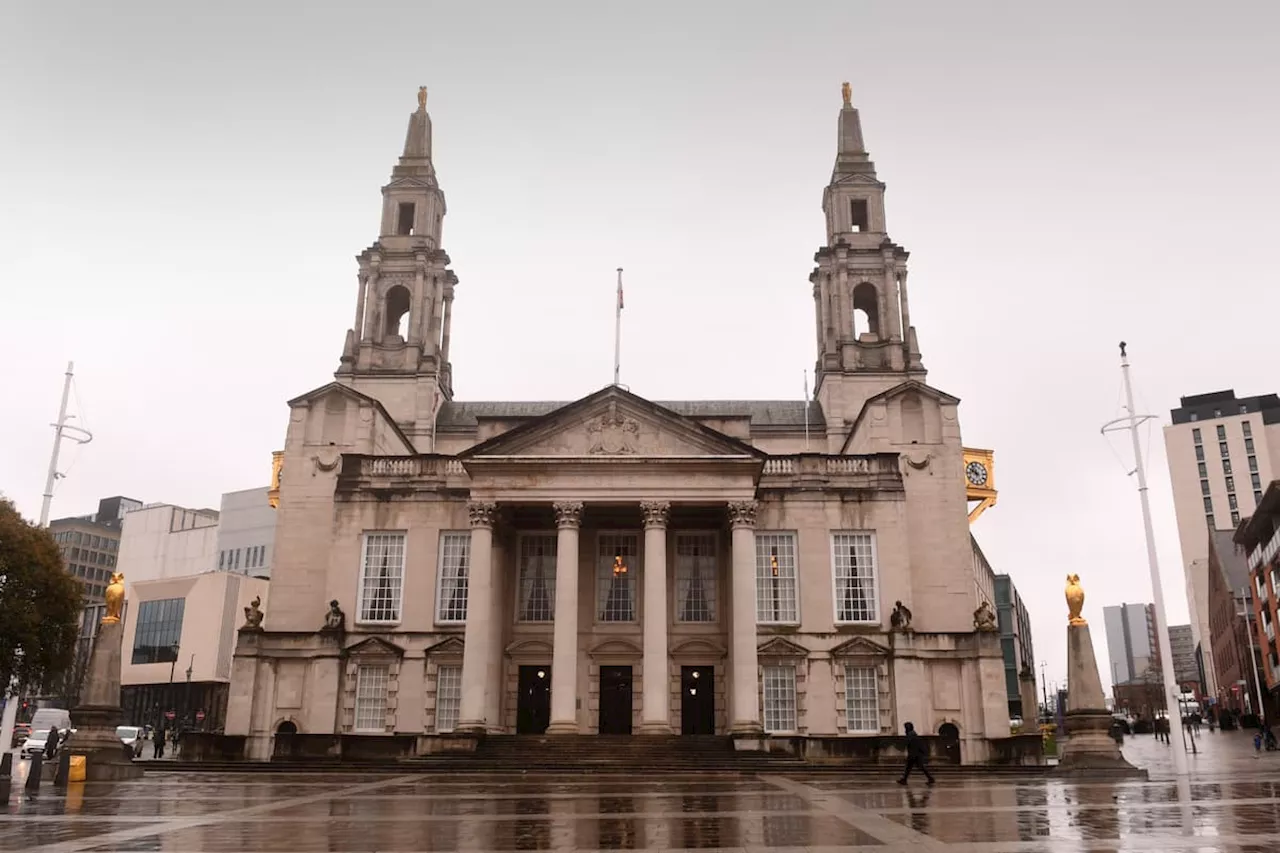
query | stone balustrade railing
(401,467)
(809,465)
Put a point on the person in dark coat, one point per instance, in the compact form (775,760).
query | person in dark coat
(51,743)
(917,756)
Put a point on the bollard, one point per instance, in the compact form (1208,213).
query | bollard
(34,769)
(64,769)
(6,777)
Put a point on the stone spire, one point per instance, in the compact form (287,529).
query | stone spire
(851,151)
(416,160)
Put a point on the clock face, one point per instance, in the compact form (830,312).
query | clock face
(976,473)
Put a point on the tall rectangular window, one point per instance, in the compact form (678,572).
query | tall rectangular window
(777,595)
(1226,465)
(448,697)
(1204,487)
(1248,445)
(1199,453)
(453,574)
(1222,433)
(1195,435)
(861,700)
(381,577)
(854,565)
(616,555)
(1248,430)
(1222,449)
(1231,484)
(404,219)
(159,629)
(1204,472)
(859,218)
(1253,464)
(780,698)
(1208,504)
(696,577)
(1231,501)
(371,698)
(537,577)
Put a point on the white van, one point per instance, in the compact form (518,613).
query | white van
(48,718)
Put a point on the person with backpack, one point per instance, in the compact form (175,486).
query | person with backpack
(917,756)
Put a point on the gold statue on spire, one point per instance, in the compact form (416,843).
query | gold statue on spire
(115,599)
(847,93)
(422,97)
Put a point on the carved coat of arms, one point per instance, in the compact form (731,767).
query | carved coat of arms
(612,433)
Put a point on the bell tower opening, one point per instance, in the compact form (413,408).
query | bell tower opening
(404,221)
(859,217)
(397,313)
(866,311)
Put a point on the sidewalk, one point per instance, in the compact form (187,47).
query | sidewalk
(1216,753)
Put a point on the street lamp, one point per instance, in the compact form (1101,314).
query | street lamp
(173,649)
(1247,612)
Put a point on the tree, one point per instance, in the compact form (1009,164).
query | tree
(40,603)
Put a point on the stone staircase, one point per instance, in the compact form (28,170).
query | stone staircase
(622,753)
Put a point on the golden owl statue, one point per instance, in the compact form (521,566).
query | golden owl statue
(1075,601)
(115,599)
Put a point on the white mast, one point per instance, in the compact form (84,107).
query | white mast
(1172,689)
(617,335)
(61,428)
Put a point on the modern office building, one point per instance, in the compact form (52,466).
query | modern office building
(246,532)
(1019,653)
(1132,651)
(90,543)
(1221,450)
(1182,642)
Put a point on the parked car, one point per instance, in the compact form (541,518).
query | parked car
(21,731)
(131,736)
(35,743)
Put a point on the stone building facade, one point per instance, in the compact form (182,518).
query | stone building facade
(615,564)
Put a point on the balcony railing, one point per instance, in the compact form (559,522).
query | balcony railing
(1265,551)
(377,471)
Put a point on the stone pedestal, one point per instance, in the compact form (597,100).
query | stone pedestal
(98,714)
(1088,747)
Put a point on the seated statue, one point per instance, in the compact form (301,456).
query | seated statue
(335,619)
(984,619)
(253,615)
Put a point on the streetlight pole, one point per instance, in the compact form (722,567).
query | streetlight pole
(1253,657)
(168,698)
(1130,422)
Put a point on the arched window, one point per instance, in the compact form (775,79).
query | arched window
(912,418)
(866,310)
(397,313)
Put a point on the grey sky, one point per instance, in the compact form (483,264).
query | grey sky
(183,188)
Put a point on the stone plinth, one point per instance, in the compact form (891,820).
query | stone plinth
(98,714)
(1089,747)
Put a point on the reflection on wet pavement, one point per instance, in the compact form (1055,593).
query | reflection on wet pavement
(1232,805)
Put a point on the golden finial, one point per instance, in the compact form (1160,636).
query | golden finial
(619,567)
(1075,601)
(422,97)
(115,599)
(847,93)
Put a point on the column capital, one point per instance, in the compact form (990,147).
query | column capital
(656,513)
(482,513)
(742,513)
(568,513)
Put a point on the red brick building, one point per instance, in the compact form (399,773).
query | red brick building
(1259,537)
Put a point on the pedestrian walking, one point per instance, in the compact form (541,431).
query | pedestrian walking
(917,756)
(157,743)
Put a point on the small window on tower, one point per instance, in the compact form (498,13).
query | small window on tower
(404,225)
(858,217)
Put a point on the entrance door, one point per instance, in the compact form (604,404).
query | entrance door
(615,700)
(697,700)
(533,702)
(950,737)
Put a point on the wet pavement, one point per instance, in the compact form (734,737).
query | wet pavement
(1230,804)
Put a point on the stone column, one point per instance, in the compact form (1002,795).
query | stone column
(476,649)
(444,337)
(564,664)
(361,294)
(415,307)
(655,712)
(745,718)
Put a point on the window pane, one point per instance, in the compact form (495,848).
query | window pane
(1204,472)
(1204,487)
(1222,449)
(615,577)
(861,693)
(448,697)
(855,575)
(1195,435)
(1253,463)
(1248,445)
(696,577)
(455,561)
(1226,466)
(371,698)
(779,698)
(383,575)
(158,631)
(1222,432)
(1199,452)
(1208,505)
(776,578)
(537,577)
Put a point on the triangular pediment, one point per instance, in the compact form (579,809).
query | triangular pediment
(318,396)
(451,646)
(860,647)
(781,647)
(375,647)
(612,422)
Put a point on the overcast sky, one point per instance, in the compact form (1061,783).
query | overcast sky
(183,188)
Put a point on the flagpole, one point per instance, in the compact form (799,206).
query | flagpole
(617,335)
(806,410)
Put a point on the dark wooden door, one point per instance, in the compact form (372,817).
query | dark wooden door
(533,703)
(615,700)
(949,737)
(697,700)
